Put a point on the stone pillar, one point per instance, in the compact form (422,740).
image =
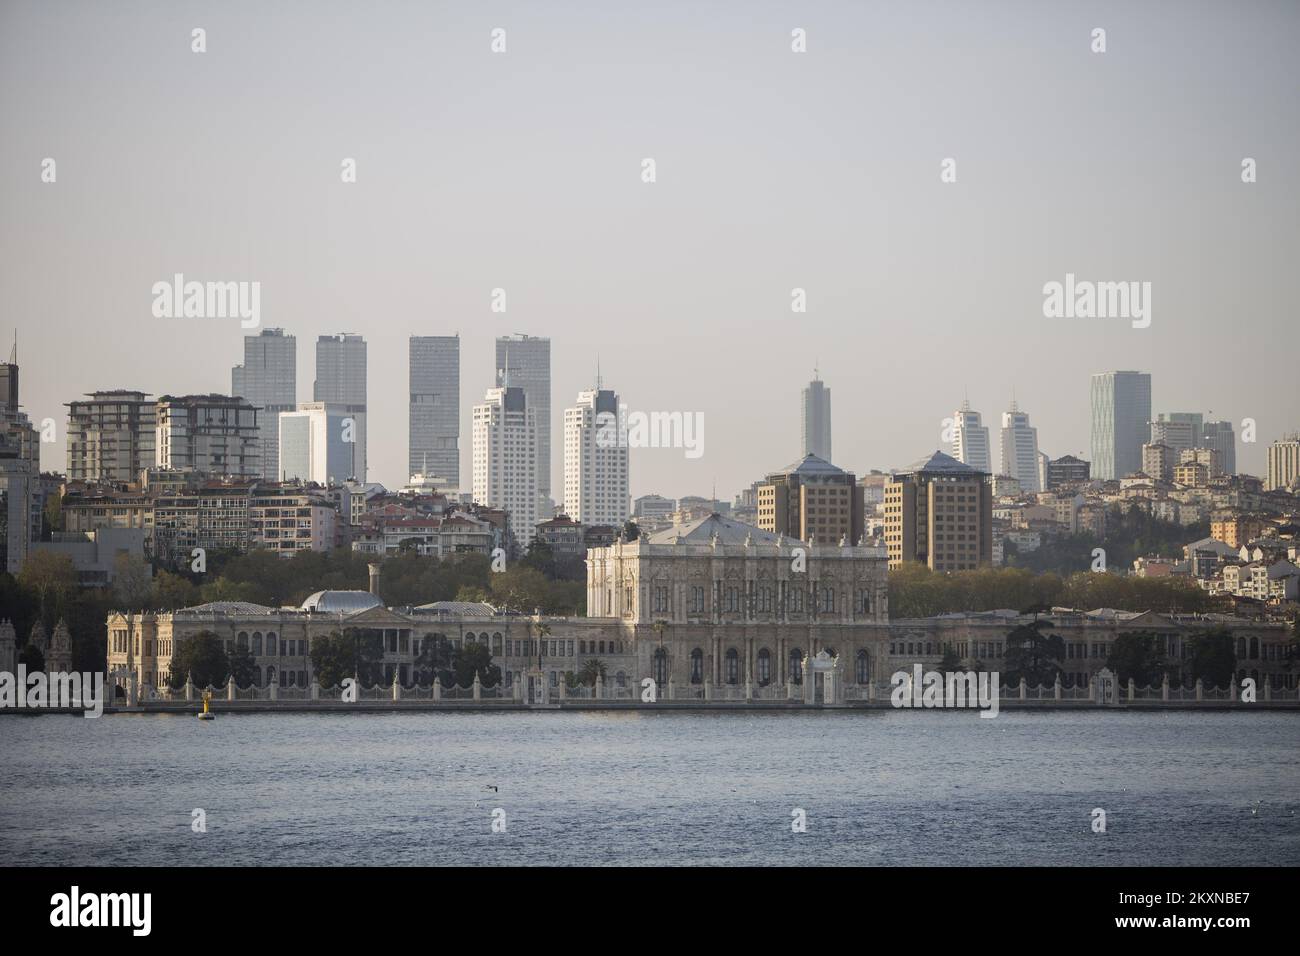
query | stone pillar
(274,687)
(670,687)
(1198,689)
(189,687)
(809,684)
(518,688)
(1024,689)
(1056,688)
(437,688)
(478,686)
(1164,688)
(1131,692)
(397,682)
(230,688)
(315,688)
(1268,688)
(830,691)
(708,688)
(789,689)
(749,689)
(600,686)
(1232,691)
(564,686)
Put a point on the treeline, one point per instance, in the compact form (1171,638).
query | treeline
(1130,534)
(47,589)
(916,591)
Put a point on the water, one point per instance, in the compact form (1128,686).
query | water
(653,788)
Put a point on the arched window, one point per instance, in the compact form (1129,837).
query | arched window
(620,679)
(732,666)
(270,643)
(1254,648)
(1241,647)
(496,644)
(242,641)
(862,668)
(661,666)
(582,647)
(697,666)
(796,665)
(257,643)
(764,667)
(602,647)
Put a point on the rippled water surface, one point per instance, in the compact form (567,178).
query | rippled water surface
(653,788)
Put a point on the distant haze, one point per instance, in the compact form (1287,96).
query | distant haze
(775,170)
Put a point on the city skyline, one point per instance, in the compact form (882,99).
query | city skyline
(700,276)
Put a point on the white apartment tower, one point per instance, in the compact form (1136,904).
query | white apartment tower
(314,444)
(970,439)
(341,380)
(1020,457)
(506,465)
(269,379)
(595,460)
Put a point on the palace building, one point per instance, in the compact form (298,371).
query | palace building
(714,602)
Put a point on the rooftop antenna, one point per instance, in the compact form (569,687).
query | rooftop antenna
(598,371)
(13,356)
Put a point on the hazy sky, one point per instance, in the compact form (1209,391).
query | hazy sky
(775,170)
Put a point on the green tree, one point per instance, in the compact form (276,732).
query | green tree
(1032,655)
(132,581)
(52,577)
(1211,658)
(173,591)
(586,675)
(338,656)
(475,658)
(1139,656)
(202,656)
(242,666)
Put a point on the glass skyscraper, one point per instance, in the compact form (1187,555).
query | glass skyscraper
(1121,411)
(269,380)
(341,380)
(434,442)
(527,361)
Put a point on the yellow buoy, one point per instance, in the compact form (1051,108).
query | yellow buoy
(207,715)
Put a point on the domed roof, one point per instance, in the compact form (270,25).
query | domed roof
(346,602)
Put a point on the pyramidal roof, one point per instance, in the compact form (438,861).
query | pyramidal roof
(941,463)
(702,531)
(810,465)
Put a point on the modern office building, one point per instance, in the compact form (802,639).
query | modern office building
(111,436)
(812,500)
(269,379)
(1020,450)
(506,458)
(434,443)
(1283,463)
(314,444)
(1220,437)
(1121,413)
(1177,430)
(970,439)
(595,460)
(816,435)
(341,380)
(939,512)
(214,434)
(526,361)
